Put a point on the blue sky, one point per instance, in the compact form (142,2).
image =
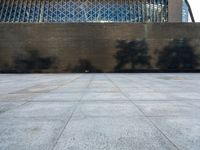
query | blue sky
(195,4)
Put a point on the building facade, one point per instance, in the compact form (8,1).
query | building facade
(49,36)
(51,11)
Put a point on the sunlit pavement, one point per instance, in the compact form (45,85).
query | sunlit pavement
(99,111)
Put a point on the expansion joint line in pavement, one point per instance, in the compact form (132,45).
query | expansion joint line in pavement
(142,112)
(48,82)
(70,81)
(29,98)
(70,117)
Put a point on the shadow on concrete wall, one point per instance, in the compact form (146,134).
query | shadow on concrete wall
(178,55)
(85,66)
(130,55)
(33,62)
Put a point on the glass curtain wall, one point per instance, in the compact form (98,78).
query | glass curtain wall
(185,12)
(83,11)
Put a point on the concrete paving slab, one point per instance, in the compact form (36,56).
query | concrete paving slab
(20,82)
(70,89)
(38,89)
(15,97)
(5,106)
(182,131)
(76,84)
(107,109)
(149,96)
(137,90)
(194,103)
(104,97)
(184,95)
(59,110)
(103,90)
(56,97)
(167,108)
(28,134)
(112,134)
(101,85)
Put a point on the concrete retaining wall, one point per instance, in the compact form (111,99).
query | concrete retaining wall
(88,47)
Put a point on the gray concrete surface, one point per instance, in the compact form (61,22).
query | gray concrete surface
(99,111)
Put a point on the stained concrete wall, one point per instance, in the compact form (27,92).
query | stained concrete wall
(89,47)
(175,10)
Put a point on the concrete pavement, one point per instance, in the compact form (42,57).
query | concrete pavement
(99,111)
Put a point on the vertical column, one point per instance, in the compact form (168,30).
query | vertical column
(68,12)
(29,10)
(6,11)
(57,3)
(34,10)
(145,10)
(95,7)
(175,10)
(52,12)
(153,11)
(11,11)
(47,8)
(41,11)
(20,15)
(2,9)
(150,14)
(16,6)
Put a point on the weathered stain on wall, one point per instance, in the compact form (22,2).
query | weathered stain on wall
(107,47)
